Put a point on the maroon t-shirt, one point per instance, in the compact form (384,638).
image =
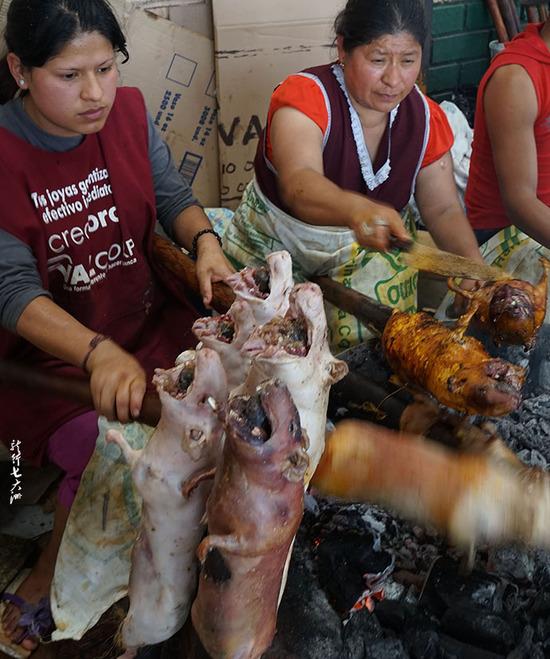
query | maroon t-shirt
(88,215)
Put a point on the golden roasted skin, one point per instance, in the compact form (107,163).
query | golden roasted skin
(511,312)
(454,368)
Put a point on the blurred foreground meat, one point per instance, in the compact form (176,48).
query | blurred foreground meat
(265,288)
(253,512)
(295,350)
(473,498)
(453,367)
(511,312)
(187,439)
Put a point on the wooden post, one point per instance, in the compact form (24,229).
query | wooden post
(497,20)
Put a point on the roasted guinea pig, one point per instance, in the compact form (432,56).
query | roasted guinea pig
(511,312)
(452,367)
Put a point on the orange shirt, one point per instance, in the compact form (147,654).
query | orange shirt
(304,94)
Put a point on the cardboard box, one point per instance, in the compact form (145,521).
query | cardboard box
(174,68)
(257,46)
(195,15)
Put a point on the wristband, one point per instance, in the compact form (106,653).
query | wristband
(98,338)
(193,251)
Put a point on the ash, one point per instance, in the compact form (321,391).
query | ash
(366,584)
(412,594)
(527,431)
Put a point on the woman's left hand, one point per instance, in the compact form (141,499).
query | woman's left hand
(212,266)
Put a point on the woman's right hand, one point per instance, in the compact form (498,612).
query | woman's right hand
(117,382)
(375,225)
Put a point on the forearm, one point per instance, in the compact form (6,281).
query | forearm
(530,215)
(117,381)
(314,199)
(44,324)
(187,224)
(211,265)
(452,232)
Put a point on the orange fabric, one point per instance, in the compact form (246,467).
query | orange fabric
(441,138)
(303,94)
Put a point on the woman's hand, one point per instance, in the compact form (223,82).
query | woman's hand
(117,382)
(212,265)
(378,226)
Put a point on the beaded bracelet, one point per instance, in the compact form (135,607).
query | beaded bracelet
(193,251)
(98,338)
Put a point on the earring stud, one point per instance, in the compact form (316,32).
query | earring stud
(21,81)
(341,64)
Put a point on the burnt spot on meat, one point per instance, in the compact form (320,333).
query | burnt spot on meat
(215,567)
(226,329)
(262,279)
(185,378)
(295,429)
(255,427)
(510,301)
(497,369)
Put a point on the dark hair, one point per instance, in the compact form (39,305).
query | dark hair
(363,21)
(38,30)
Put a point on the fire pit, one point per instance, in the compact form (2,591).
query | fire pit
(364,584)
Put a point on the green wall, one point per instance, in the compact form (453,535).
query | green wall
(461,32)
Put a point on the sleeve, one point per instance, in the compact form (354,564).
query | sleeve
(441,136)
(20,281)
(172,193)
(302,93)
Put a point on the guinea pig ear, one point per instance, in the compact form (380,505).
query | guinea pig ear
(295,466)
(337,370)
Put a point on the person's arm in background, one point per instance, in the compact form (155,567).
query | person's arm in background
(297,144)
(437,199)
(181,215)
(511,108)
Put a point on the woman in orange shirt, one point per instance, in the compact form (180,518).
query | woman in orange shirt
(345,147)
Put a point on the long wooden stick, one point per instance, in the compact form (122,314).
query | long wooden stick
(178,264)
(368,311)
(497,20)
(77,390)
(509,17)
(532,14)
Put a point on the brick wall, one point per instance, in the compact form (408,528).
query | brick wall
(461,32)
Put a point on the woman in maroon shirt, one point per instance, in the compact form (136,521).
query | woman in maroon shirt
(87,214)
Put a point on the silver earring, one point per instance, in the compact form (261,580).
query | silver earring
(21,81)
(341,64)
